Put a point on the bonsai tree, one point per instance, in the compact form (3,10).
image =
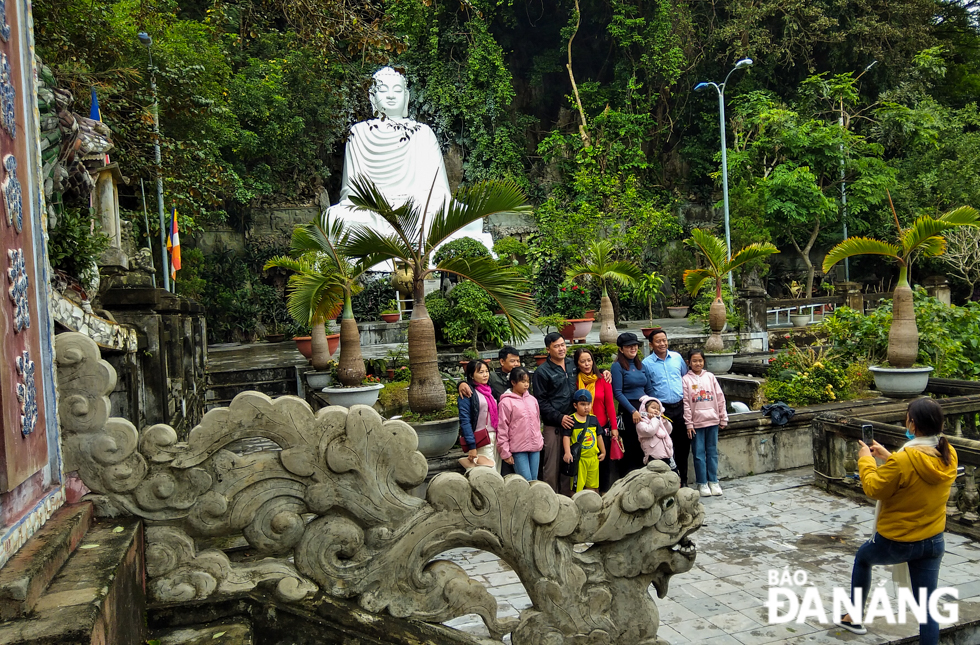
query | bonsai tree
(649,287)
(600,265)
(413,240)
(719,266)
(922,238)
(324,278)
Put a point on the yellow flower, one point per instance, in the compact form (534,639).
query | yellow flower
(818,364)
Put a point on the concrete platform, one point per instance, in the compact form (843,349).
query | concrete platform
(770,521)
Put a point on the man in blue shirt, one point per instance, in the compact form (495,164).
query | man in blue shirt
(664,370)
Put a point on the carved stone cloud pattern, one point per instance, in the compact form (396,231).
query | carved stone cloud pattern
(335,500)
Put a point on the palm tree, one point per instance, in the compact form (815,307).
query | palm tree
(324,278)
(922,238)
(412,240)
(719,266)
(600,266)
(649,287)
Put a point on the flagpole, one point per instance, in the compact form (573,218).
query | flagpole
(146,40)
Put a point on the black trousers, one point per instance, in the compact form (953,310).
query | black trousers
(632,451)
(682,445)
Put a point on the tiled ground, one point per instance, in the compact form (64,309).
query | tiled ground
(763,522)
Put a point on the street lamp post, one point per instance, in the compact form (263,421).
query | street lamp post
(720,88)
(146,40)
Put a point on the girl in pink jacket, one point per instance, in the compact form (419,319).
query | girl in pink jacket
(704,414)
(653,429)
(519,438)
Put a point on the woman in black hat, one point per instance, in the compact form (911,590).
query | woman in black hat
(629,383)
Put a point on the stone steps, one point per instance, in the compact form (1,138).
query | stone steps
(237,631)
(30,571)
(96,597)
(224,385)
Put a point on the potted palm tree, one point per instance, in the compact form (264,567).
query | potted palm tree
(649,287)
(899,378)
(719,266)
(410,238)
(325,277)
(599,265)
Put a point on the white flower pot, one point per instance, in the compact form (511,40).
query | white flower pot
(901,383)
(800,320)
(348,396)
(318,380)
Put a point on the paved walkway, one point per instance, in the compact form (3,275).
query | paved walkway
(762,522)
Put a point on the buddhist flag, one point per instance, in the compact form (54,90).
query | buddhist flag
(173,245)
(95,113)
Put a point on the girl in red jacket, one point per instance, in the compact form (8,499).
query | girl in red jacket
(519,438)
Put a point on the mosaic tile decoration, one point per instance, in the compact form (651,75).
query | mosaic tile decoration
(12,194)
(4,26)
(8,97)
(27,393)
(19,284)
(17,535)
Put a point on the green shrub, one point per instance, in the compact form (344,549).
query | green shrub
(76,243)
(806,377)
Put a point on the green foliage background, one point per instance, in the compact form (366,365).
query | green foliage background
(257,97)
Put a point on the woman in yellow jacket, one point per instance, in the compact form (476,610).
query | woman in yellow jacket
(912,488)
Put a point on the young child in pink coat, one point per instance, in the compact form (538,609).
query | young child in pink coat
(519,438)
(704,414)
(653,429)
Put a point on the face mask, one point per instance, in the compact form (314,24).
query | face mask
(908,433)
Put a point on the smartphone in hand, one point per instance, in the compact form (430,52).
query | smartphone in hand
(868,434)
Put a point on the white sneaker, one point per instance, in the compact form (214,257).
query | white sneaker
(715,488)
(704,490)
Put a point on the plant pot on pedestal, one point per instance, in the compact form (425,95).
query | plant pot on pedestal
(436,438)
(901,383)
(390,318)
(577,328)
(318,380)
(348,396)
(677,312)
(645,331)
(800,320)
(718,363)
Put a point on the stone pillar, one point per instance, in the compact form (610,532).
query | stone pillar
(851,292)
(752,304)
(105,203)
(937,286)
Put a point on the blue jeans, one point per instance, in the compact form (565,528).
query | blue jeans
(705,448)
(526,464)
(924,558)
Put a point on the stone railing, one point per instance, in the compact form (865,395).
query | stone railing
(331,512)
(835,449)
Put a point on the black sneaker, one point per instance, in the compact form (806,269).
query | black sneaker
(856,628)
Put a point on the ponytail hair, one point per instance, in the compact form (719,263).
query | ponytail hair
(928,417)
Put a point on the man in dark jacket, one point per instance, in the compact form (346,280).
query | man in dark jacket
(554,383)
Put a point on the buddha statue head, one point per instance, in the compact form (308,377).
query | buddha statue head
(389,94)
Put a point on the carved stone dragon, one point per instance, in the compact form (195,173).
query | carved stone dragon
(335,498)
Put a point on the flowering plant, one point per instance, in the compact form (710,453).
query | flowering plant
(573,301)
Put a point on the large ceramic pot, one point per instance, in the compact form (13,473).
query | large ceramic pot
(305,346)
(577,328)
(348,396)
(800,320)
(436,438)
(718,363)
(677,312)
(901,382)
(333,342)
(390,318)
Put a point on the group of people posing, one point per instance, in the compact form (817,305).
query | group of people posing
(569,412)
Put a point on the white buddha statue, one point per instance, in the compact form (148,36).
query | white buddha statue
(401,156)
